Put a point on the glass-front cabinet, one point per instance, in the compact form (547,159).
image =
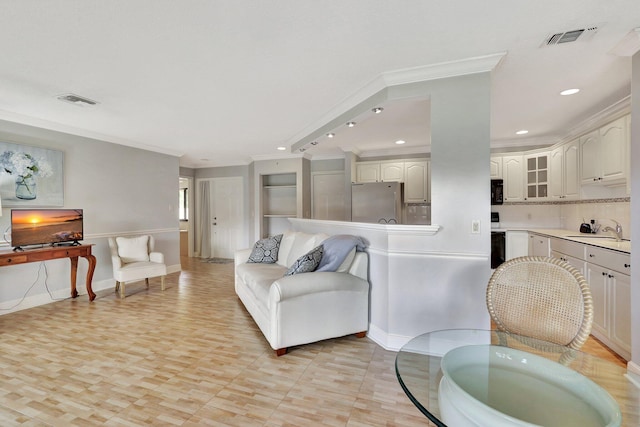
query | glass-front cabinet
(537,176)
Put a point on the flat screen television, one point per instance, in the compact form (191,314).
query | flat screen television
(45,227)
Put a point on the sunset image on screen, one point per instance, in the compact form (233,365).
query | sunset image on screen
(40,226)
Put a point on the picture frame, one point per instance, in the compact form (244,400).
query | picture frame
(30,176)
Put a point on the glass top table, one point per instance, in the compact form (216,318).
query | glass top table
(419,372)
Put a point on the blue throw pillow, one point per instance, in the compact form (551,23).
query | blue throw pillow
(307,262)
(265,251)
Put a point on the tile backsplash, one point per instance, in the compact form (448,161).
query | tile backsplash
(566,215)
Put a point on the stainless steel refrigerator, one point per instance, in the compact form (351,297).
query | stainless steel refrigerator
(379,202)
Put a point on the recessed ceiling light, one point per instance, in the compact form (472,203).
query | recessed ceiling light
(351,124)
(569,92)
(400,142)
(522,132)
(282,148)
(378,110)
(331,135)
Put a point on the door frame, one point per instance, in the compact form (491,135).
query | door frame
(244,232)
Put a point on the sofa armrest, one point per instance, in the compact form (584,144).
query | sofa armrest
(241,256)
(297,285)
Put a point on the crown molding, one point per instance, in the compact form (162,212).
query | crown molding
(600,118)
(375,91)
(72,130)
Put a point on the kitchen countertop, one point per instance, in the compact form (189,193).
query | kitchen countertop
(602,240)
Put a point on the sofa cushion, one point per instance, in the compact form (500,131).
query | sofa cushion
(265,251)
(258,277)
(307,262)
(295,244)
(133,249)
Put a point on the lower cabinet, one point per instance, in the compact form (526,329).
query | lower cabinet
(538,245)
(608,273)
(611,293)
(517,244)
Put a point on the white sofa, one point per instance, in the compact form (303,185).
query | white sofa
(305,307)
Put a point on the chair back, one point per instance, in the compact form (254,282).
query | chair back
(543,298)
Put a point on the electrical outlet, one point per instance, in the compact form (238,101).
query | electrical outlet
(475,226)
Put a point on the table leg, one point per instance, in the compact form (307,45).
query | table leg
(92,266)
(74,271)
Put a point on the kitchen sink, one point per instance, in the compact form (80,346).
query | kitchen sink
(587,236)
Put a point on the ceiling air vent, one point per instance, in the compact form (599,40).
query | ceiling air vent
(76,100)
(582,34)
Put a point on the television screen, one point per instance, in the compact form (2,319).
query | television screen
(45,226)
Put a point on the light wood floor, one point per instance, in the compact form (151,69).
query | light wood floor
(188,356)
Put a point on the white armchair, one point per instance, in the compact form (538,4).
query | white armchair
(133,258)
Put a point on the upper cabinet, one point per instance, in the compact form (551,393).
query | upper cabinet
(537,176)
(496,167)
(600,157)
(413,172)
(416,182)
(604,154)
(512,171)
(564,163)
(368,172)
(392,171)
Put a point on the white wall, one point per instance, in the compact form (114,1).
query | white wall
(122,190)
(421,282)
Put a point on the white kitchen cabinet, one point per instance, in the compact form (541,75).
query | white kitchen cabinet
(495,167)
(556,172)
(564,171)
(380,171)
(611,293)
(392,171)
(416,182)
(368,172)
(609,277)
(536,176)
(571,170)
(538,245)
(570,252)
(604,154)
(512,173)
(517,244)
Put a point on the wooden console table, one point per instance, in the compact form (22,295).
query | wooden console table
(56,252)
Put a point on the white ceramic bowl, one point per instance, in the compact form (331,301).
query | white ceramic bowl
(486,385)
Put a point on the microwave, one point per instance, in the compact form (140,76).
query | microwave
(497,195)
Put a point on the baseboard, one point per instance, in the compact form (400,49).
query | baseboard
(63,294)
(387,341)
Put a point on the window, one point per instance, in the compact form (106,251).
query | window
(183,211)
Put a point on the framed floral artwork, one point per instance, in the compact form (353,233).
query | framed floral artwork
(30,176)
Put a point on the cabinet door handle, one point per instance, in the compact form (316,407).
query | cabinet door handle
(604,274)
(591,255)
(610,276)
(627,265)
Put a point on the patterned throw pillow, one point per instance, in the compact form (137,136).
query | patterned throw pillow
(265,251)
(307,262)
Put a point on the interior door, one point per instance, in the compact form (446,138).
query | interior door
(328,196)
(227,214)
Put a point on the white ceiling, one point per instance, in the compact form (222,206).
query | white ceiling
(229,81)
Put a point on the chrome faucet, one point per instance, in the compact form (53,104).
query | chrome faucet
(617,232)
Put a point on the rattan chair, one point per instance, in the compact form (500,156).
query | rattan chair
(542,298)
